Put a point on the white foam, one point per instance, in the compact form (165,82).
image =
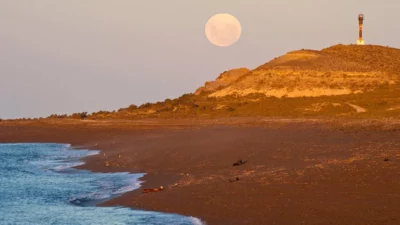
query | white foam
(68,165)
(135,183)
(196,221)
(67,147)
(93,152)
(90,197)
(127,188)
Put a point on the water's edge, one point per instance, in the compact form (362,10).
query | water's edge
(139,181)
(69,167)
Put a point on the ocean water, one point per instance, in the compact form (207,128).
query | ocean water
(39,186)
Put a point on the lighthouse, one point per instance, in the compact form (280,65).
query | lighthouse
(360,40)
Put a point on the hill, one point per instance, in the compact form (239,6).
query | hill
(224,80)
(339,81)
(337,70)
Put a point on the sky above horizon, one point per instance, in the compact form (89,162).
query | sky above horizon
(74,56)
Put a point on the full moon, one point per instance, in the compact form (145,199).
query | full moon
(223,30)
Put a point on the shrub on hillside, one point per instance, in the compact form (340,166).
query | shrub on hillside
(132,107)
(145,106)
(55,116)
(81,115)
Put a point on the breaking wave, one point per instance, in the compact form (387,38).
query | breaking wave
(41,185)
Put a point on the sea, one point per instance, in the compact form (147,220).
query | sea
(38,185)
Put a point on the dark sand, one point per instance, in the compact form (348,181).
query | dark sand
(299,172)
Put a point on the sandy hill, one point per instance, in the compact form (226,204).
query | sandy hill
(224,80)
(336,70)
(339,81)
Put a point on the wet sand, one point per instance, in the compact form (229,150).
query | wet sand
(298,171)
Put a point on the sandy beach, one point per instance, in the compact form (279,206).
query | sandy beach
(298,171)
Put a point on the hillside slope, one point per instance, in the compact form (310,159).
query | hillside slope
(225,79)
(339,81)
(336,70)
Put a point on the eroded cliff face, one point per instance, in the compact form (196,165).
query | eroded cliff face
(224,79)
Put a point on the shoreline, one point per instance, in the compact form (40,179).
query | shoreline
(149,180)
(146,181)
(55,165)
(316,166)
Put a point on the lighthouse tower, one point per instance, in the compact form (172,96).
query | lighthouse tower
(360,40)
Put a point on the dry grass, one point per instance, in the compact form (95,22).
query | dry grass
(337,70)
(336,82)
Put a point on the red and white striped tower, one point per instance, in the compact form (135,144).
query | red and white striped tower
(360,40)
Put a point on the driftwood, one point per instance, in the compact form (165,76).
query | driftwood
(148,190)
(233,179)
(239,162)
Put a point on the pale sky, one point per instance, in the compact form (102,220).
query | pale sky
(87,55)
